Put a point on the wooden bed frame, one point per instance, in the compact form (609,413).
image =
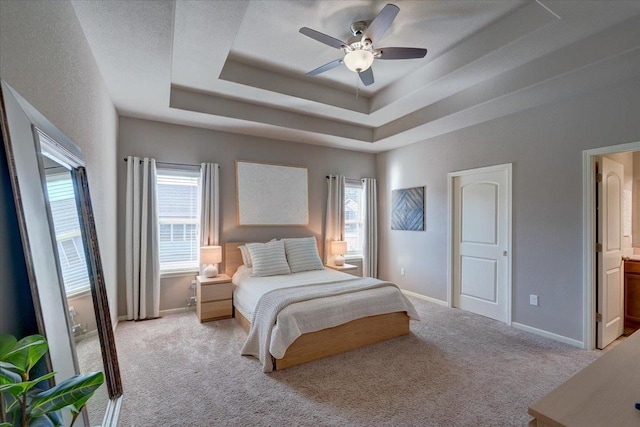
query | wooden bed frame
(327,342)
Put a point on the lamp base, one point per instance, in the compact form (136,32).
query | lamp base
(338,260)
(210,271)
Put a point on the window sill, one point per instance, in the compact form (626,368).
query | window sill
(178,273)
(78,294)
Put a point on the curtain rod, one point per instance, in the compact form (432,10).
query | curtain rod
(173,163)
(346,177)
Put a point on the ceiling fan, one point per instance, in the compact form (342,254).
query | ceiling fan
(359,52)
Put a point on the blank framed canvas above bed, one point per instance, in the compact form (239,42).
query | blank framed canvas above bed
(271,194)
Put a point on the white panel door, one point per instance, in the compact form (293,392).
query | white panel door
(610,272)
(480,242)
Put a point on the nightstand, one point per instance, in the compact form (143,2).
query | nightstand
(214,298)
(344,268)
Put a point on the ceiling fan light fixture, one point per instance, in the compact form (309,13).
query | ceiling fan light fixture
(358,60)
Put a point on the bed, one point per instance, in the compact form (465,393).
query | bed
(357,327)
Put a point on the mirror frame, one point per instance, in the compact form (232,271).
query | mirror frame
(26,133)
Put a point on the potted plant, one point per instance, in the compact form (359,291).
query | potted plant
(23,404)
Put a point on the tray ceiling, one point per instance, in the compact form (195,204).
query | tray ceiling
(240,66)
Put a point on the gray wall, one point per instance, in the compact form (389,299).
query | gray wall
(545,145)
(46,58)
(173,143)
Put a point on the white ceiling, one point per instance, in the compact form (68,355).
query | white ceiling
(240,66)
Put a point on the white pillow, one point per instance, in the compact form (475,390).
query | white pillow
(302,254)
(268,259)
(246,256)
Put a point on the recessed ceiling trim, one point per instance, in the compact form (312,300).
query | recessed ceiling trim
(260,78)
(620,68)
(211,104)
(524,21)
(600,47)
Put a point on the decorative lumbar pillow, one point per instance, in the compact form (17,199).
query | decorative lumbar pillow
(268,259)
(246,256)
(302,254)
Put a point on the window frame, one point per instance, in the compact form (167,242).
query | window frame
(355,183)
(180,268)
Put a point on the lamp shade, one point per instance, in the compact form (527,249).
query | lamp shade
(338,247)
(358,60)
(210,254)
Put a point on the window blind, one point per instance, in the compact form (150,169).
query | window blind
(66,224)
(178,218)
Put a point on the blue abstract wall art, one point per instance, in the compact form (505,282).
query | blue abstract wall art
(407,209)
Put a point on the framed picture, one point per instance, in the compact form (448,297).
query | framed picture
(271,194)
(407,209)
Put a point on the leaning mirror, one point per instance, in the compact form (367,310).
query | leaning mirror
(59,239)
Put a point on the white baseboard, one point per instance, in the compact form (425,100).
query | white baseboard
(426,298)
(548,334)
(168,311)
(177,310)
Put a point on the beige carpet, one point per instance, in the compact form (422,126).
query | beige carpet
(455,369)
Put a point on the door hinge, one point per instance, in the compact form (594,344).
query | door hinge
(598,247)
(598,177)
(598,317)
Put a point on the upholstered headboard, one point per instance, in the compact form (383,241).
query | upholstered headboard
(233,256)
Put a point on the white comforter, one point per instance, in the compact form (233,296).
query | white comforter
(309,315)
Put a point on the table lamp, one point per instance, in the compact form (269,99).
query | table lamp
(210,256)
(338,248)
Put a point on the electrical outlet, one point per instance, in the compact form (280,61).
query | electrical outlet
(533,299)
(402,271)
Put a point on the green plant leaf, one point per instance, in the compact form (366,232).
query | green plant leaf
(21,388)
(27,352)
(15,389)
(7,342)
(8,377)
(10,402)
(7,365)
(5,424)
(66,393)
(51,419)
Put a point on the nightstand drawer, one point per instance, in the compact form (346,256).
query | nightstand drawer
(215,309)
(216,292)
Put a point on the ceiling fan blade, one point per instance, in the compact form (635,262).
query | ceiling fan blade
(366,76)
(322,38)
(401,53)
(325,67)
(382,22)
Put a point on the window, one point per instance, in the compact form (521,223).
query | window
(178,220)
(353,220)
(73,263)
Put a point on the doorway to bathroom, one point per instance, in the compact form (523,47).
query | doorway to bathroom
(611,243)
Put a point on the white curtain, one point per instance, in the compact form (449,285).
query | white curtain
(334,220)
(370,215)
(209,204)
(142,261)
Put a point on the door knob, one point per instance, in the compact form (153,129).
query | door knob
(504,253)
